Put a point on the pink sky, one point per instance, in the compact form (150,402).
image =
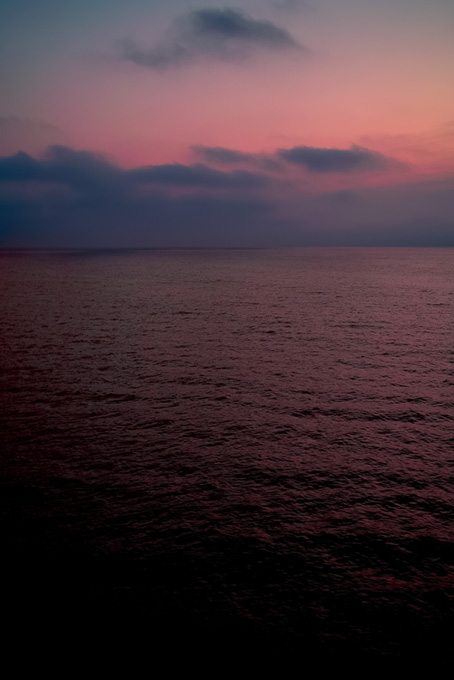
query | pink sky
(325,75)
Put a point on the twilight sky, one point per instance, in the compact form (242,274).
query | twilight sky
(146,123)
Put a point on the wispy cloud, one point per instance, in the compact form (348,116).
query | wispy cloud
(225,34)
(291,4)
(27,133)
(222,156)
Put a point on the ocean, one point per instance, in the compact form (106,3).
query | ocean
(230,450)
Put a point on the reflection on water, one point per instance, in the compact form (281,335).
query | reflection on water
(246,445)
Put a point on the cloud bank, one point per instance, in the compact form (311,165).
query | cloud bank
(83,170)
(68,198)
(225,34)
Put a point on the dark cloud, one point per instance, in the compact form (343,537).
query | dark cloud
(19,168)
(409,215)
(80,170)
(86,171)
(128,221)
(197,175)
(314,159)
(226,34)
(219,154)
(223,156)
(232,24)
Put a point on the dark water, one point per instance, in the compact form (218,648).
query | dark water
(231,450)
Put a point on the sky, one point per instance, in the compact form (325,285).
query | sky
(272,123)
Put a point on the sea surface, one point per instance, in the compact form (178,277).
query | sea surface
(230,450)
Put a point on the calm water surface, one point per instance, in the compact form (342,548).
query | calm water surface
(250,447)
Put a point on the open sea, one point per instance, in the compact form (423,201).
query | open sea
(230,452)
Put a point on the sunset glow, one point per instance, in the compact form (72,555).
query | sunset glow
(143,84)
